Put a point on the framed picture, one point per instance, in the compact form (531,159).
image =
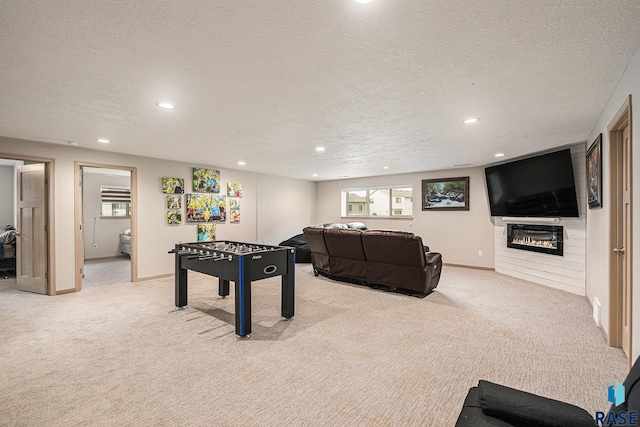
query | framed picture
(234,190)
(174,202)
(234,208)
(445,194)
(594,173)
(206,232)
(173,185)
(174,217)
(206,208)
(206,180)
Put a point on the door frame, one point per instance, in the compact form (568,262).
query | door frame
(78,218)
(619,122)
(49,168)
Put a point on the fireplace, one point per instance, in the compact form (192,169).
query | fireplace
(546,239)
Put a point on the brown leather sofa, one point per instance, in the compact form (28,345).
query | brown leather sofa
(394,259)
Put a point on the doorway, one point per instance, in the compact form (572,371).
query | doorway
(27,217)
(621,272)
(105,235)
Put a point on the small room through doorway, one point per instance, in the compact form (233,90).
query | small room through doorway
(106,226)
(8,221)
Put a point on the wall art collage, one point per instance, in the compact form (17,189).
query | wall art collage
(205,206)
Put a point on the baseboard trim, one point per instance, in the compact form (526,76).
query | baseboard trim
(159,276)
(65,291)
(473,267)
(108,258)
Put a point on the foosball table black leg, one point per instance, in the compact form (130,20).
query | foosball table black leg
(288,288)
(243,300)
(223,288)
(180,285)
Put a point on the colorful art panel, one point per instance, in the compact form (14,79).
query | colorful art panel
(234,208)
(206,232)
(174,202)
(234,190)
(206,180)
(173,185)
(206,208)
(174,217)
(219,209)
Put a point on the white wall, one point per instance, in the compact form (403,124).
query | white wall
(7,196)
(458,235)
(101,235)
(598,248)
(155,236)
(565,272)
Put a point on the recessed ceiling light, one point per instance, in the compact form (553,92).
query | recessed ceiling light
(166,105)
(471,120)
(241,163)
(364,1)
(499,154)
(385,167)
(72,143)
(315,174)
(319,149)
(104,141)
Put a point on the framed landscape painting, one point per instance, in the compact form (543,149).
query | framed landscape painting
(594,173)
(445,194)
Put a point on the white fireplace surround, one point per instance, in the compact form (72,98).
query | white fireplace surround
(567,272)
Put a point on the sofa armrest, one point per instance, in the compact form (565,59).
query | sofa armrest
(520,408)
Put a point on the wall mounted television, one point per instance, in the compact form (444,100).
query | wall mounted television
(540,186)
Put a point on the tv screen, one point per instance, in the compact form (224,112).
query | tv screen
(540,186)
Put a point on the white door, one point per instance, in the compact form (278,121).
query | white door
(32,233)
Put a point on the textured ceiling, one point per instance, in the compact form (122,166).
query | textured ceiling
(381,84)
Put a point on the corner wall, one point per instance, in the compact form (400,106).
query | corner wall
(566,272)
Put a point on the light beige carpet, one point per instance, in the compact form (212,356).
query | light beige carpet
(119,354)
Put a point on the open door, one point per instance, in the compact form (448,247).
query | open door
(32,229)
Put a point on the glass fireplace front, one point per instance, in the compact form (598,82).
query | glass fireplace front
(537,238)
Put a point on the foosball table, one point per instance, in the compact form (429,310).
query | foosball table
(240,263)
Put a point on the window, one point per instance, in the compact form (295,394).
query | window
(115,202)
(378,201)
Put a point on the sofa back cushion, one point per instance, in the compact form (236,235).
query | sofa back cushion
(346,254)
(344,243)
(319,253)
(393,247)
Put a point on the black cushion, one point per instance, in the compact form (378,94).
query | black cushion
(519,408)
(303,253)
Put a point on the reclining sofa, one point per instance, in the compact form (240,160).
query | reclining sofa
(394,259)
(491,404)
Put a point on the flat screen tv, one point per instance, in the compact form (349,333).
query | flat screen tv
(540,186)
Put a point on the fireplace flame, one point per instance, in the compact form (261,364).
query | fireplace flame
(528,241)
